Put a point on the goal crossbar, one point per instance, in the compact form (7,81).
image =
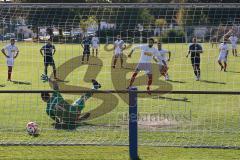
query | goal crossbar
(118,5)
(125,91)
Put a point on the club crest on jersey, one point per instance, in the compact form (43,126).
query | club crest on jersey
(148,54)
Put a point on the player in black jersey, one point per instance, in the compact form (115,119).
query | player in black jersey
(195,50)
(49,50)
(86,48)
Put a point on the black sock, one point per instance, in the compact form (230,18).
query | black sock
(195,72)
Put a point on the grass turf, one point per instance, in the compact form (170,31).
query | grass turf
(114,153)
(185,120)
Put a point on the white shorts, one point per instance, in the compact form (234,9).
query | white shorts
(117,53)
(234,46)
(10,61)
(222,57)
(95,46)
(147,67)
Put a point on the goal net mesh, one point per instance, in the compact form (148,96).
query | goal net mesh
(164,119)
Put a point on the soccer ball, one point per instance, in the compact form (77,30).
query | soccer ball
(32,129)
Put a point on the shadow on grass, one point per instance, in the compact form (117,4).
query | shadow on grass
(21,82)
(172,99)
(233,72)
(72,127)
(59,80)
(98,125)
(214,82)
(176,81)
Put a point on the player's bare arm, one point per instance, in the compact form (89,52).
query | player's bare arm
(155,59)
(169,55)
(130,54)
(55,84)
(54,50)
(4,53)
(16,55)
(41,51)
(188,54)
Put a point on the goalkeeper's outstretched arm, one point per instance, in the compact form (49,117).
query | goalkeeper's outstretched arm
(54,84)
(130,54)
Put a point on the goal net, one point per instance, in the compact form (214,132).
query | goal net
(190,120)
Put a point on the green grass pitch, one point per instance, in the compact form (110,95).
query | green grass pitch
(205,120)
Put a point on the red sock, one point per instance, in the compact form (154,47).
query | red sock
(121,62)
(149,80)
(225,66)
(133,78)
(115,61)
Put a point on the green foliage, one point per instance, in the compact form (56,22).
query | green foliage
(173,36)
(90,21)
(160,22)
(145,16)
(180,17)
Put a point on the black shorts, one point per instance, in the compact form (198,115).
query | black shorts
(86,51)
(195,60)
(49,62)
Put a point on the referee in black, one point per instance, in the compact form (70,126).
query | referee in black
(195,49)
(49,50)
(86,48)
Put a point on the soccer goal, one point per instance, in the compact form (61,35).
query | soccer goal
(184,109)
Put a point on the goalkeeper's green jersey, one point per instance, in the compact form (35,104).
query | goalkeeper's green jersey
(57,107)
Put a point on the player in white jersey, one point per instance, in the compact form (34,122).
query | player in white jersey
(95,45)
(119,46)
(162,60)
(10,52)
(147,53)
(233,39)
(223,49)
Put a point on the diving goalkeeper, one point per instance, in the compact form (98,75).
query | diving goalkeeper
(63,113)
